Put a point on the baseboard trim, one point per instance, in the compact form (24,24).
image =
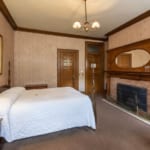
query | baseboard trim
(127,112)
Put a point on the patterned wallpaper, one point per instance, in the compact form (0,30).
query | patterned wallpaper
(35,57)
(131,34)
(8,45)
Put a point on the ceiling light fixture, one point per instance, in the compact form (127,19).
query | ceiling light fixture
(86,25)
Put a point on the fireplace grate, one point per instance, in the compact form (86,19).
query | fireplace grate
(132,97)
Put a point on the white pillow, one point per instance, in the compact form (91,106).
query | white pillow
(9,97)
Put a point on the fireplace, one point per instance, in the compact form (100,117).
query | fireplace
(132,97)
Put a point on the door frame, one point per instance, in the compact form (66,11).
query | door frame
(59,50)
(86,61)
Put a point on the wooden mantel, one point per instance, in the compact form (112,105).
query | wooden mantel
(144,76)
(139,76)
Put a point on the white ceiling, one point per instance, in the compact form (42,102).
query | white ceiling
(59,15)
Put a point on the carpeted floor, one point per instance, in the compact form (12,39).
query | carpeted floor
(116,130)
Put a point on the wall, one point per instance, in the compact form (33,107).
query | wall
(35,57)
(136,32)
(8,45)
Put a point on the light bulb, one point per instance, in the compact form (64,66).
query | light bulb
(95,25)
(76,25)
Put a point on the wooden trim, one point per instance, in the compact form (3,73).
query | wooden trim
(2,55)
(130,75)
(7,15)
(86,60)
(129,23)
(13,24)
(59,34)
(11,21)
(9,18)
(139,76)
(113,53)
(138,73)
(129,46)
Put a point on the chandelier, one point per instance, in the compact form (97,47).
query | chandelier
(86,25)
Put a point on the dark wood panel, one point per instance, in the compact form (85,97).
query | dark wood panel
(13,24)
(68,68)
(96,57)
(36,86)
(144,76)
(2,51)
(7,15)
(138,73)
(113,53)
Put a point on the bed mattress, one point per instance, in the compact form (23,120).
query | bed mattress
(38,112)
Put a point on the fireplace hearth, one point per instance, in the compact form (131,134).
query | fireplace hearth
(132,97)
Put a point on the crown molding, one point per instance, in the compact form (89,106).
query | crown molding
(9,18)
(59,34)
(129,23)
(7,15)
(146,41)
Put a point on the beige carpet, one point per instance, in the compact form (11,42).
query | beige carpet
(115,131)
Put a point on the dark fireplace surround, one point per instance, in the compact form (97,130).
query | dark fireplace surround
(132,97)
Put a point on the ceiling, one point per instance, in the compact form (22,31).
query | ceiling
(59,15)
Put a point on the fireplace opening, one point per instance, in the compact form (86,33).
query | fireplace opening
(132,97)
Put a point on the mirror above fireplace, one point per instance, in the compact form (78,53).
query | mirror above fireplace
(133,59)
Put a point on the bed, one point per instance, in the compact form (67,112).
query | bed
(28,113)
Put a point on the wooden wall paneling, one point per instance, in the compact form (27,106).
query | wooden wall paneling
(138,73)
(113,53)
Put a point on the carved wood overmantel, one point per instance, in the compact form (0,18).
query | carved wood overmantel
(136,73)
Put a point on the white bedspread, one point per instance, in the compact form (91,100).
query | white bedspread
(37,112)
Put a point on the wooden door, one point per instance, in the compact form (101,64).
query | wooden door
(68,68)
(94,55)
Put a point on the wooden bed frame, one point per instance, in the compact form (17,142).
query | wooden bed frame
(2,89)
